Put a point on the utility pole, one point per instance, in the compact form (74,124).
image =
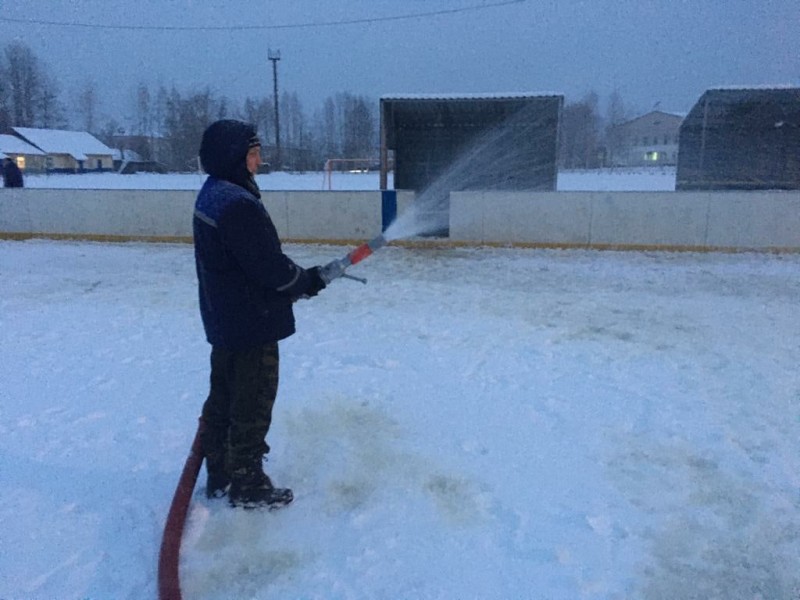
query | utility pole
(275,57)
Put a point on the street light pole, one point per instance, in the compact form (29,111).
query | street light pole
(275,57)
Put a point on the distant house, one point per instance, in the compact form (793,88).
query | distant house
(147,147)
(121,156)
(28,158)
(68,151)
(129,167)
(648,140)
(128,162)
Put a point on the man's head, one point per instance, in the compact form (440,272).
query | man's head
(227,146)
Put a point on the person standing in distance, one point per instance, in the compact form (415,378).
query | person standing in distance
(247,286)
(12,175)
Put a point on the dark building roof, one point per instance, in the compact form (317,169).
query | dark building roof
(741,138)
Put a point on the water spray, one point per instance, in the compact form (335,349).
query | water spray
(336,268)
(492,160)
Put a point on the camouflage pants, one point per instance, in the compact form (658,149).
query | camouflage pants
(238,411)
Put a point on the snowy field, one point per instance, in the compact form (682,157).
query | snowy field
(656,179)
(472,423)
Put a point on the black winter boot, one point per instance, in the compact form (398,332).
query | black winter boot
(214,440)
(252,488)
(218,480)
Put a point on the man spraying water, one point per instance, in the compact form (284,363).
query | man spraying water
(246,289)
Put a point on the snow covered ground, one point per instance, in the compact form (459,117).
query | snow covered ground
(473,423)
(656,179)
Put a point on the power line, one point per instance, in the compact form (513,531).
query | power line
(306,25)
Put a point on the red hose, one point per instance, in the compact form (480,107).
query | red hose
(169,585)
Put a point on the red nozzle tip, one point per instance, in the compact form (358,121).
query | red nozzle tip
(360,253)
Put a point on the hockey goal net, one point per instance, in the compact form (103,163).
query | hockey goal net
(346,165)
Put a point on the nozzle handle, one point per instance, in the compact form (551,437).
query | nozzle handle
(334,270)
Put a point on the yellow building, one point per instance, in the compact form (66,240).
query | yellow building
(648,140)
(28,158)
(68,151)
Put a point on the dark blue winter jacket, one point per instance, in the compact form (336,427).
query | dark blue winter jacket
(246,282)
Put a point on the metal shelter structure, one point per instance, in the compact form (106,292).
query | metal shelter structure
(516,134)
(741,139)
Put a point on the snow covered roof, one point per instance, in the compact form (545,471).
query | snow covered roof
(77,144)
(470,96)
(653,114)
(119,154)
(11,144)
(767,86)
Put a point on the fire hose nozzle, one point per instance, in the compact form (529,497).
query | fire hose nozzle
(333,270)
(336,268)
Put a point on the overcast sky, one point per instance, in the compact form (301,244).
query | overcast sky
(665,52)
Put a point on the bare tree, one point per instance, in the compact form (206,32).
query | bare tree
(86,104)
(50,113)
(579,134)
(185,121)
(346,127)
(5,98)
(289,118)
(296,153)
(617,114)
(109,131)
(329,129)
(260,113)
(24,82)
(144,111)
(359,128)
(158,145)
(222,109)
(29,92)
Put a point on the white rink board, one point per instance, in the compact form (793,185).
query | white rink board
(768,220)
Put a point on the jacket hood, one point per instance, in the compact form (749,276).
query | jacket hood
(224,146)
(223,152)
